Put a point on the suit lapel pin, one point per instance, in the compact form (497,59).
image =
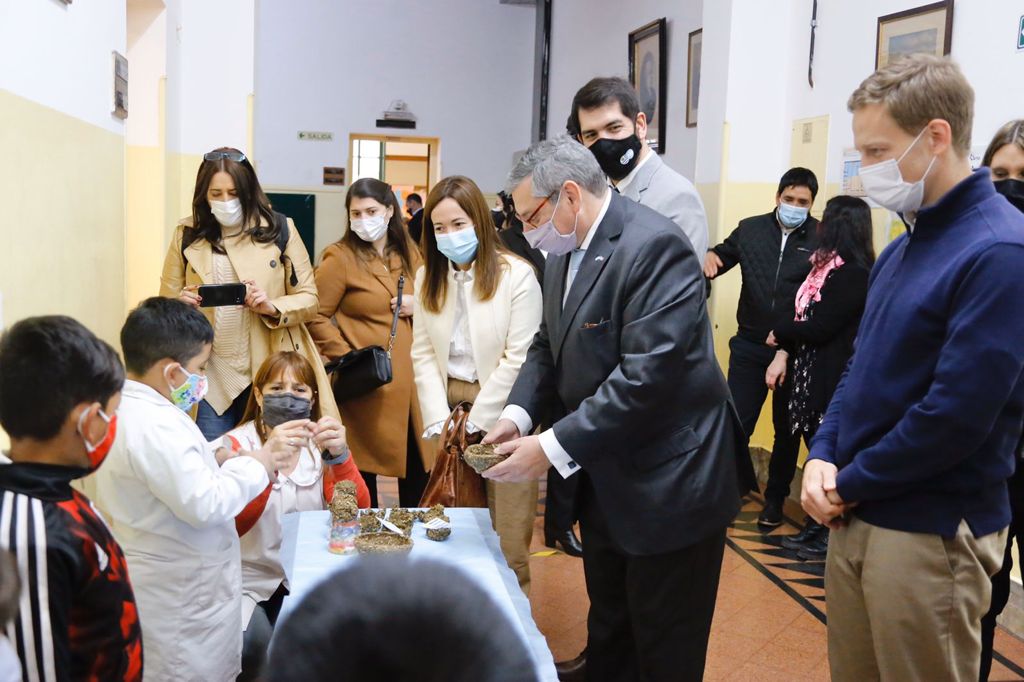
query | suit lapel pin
(598,258)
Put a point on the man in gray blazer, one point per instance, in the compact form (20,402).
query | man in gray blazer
(606,117)
(624,351)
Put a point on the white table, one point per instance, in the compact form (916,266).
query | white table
(472,547)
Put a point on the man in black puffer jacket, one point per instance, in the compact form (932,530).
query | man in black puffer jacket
(773,251)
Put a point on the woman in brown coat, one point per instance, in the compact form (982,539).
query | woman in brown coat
(358,285)
(234,236)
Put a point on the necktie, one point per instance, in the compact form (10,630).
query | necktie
(575,260)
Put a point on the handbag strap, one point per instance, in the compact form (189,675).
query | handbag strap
(457,421)
(398,308)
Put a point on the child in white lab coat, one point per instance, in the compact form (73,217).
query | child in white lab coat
(284,403)
(172,498)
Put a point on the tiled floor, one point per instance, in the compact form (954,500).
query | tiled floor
(769,618)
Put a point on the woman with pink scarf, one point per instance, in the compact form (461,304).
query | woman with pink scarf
(820,338)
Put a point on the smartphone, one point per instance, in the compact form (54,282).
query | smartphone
(216,295)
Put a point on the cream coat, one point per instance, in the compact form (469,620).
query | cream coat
(172,509)
(501,331)
(262,264)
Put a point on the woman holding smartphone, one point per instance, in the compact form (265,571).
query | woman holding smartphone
(234,237)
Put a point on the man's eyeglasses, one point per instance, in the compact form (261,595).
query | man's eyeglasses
(237,157)
(529,220)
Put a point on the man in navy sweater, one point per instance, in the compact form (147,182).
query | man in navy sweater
(910,464)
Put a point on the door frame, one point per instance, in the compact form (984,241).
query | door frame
(433,153)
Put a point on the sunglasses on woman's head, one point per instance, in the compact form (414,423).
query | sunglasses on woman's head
(237,157)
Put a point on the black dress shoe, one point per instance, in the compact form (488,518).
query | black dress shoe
(567,539)
(816,549)
(812,529)
(771,515)
(571,671)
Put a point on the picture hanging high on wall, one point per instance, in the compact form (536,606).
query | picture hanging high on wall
(693,76)
(648,61)
(927,29)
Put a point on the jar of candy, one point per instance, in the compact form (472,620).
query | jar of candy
(342,538)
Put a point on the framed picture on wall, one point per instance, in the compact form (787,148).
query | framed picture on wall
(693,77)
(927,29)
(648,61)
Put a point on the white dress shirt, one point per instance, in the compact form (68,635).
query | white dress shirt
(460,354)
(556,454)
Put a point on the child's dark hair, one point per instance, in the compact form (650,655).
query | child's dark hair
(440,626)
(48,365)
(163,328)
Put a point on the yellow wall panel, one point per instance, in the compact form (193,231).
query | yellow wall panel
(62,185)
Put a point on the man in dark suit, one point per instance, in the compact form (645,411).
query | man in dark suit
(559,507)
(625,352)
(414,207)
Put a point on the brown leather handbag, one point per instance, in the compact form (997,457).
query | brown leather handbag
(453,483)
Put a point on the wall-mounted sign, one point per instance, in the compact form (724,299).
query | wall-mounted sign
(334,175)
(120,86)
(1020,34)
(315,136)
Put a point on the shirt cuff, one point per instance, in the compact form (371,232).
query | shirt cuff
(520,417)
(435,429)
(557,455)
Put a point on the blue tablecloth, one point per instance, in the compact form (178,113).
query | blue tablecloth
(472,547)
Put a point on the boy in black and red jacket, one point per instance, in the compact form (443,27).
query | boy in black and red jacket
(59,391)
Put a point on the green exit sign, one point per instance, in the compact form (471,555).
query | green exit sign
(1020,34)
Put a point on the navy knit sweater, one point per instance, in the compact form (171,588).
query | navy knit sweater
(925,422)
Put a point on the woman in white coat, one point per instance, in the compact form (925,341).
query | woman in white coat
(478,309)
(171,499)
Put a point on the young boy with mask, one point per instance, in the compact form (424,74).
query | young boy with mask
(172,498)
(60,387)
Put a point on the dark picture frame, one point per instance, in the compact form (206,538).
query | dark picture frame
(926,29)
(694,48)
(648,74)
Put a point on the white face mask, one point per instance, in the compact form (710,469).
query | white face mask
(884,183)
(370,229)
(227,213)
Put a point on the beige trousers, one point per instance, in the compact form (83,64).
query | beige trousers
(513,506)
(907,606)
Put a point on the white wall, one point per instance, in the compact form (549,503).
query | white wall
(591,39)
(147,64)
(60,56)
(983,44)
(717,25)
(217,64)
(465,67)
(767,62)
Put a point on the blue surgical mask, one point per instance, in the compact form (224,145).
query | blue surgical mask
(792,216)
(459,247)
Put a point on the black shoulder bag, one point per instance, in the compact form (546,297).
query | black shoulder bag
(364,370)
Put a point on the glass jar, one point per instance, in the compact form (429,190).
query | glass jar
(342,539)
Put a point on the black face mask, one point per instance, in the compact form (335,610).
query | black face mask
(617,158)
(279,408)
(499,219)
(1013,190)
